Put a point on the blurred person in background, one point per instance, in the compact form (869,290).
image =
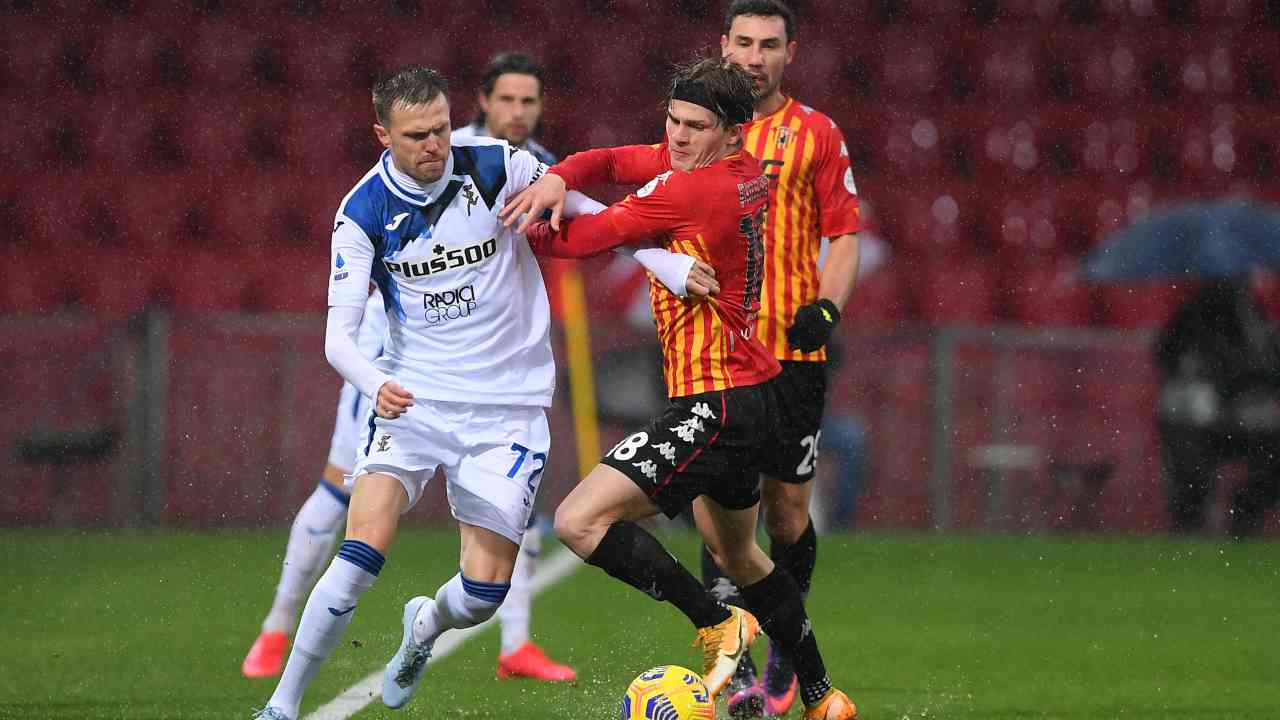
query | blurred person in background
(510,100)
(811,195)
(1219,403)
(321,517)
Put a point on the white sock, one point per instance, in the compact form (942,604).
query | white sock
(310,542)
(325,620)
(518,607)
(459,603)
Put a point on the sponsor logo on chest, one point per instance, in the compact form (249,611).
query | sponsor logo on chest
(443,259)
(441,307)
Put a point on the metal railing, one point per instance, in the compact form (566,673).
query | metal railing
(226,419)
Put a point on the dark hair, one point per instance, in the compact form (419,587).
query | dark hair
(409,85)
(763,8)
(722,88)
(503,64)
(509,62)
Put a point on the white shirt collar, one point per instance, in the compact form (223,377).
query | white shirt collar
(408,189)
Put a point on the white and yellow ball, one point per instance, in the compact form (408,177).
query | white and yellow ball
(669,692)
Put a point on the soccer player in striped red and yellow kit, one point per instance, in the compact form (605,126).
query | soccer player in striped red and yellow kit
(706,197)
(812,195)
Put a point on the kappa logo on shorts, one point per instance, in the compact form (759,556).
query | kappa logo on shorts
(384,442)
(667,450)
(649,468)
(703,411)
(686,429)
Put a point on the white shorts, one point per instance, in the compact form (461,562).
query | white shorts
(351,424)
(492,456)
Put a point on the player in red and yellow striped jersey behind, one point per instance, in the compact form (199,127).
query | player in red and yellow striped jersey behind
(812,195)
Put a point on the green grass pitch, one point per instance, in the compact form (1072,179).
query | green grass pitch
(154,625)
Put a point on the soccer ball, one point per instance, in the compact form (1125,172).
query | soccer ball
(669,692)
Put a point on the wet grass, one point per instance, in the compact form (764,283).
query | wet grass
(154,625)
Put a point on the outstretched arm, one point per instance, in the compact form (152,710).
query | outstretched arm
(628,165)
(579,237)
(683,275)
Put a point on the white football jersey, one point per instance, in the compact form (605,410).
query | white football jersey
(350,424)
(477,130)
(373,328)
(467,309)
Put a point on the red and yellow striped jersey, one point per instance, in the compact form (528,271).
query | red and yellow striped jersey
(812,195)
(713,214)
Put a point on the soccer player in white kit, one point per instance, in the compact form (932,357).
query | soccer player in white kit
(462,382)
(510,98)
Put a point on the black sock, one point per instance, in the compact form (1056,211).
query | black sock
(726,591)
(635,557)
(776,603)
(797,558)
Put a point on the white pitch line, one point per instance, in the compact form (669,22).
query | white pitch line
(362,694)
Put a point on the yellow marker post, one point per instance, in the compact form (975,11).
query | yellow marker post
(582,386)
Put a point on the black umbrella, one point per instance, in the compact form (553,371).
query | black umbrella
(1207,240)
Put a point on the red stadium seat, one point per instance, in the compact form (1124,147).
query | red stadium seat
(328,68)
(32,55)
(1009,68)
(957,290)
(913,68)
(137,132)
(231,135)
(293,279)
(1266,290)
(879,300)
(29,287)
(125,280)
(278,208)
(221,57)
(168,209)
(932,221)
(208,279)
(1046,290)
(1144,305)
(130,58)
(1256,60)
(1024,223)
(64,210)
(337,141)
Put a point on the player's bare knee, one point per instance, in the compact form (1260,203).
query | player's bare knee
(744,564)
(716,555)
(786,527)
(786,515)
(576,529)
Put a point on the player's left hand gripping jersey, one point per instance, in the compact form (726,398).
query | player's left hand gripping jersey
(467,310)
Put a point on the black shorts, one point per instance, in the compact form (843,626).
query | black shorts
(792,452)
(708,444)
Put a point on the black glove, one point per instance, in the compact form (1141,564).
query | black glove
(813,325)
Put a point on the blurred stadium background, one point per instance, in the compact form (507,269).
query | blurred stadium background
(170,170)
